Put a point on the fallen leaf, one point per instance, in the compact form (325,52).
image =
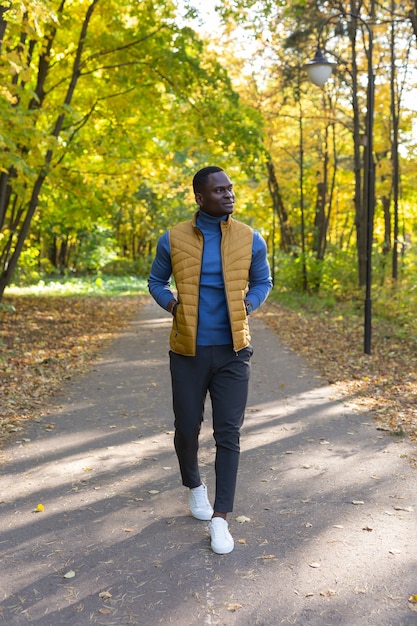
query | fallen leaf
(153,491)
(87,469)
(234,607)
(105,611)
(328,593)
(315,565)
(39,508)
(413,598)
(69,574)
(242,519)
(368,528)
(105,595)
(358,502)
(49,339)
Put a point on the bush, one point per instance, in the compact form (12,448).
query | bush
(335,277)
(125,267)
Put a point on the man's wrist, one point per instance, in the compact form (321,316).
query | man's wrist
(248,307)
(172,305)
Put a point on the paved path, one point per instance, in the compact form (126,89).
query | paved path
(103,466)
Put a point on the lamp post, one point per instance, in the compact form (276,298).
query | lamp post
(319,71)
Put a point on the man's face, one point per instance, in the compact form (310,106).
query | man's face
(217,198)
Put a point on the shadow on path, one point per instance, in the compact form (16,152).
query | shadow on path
(331,536)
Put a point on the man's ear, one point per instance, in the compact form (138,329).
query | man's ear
(199,199)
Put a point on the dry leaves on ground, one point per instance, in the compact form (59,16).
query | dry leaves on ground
(384,383)
(47,340)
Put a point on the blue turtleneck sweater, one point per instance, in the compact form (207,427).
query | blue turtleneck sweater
(213,317)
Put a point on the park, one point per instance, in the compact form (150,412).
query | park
(107,110)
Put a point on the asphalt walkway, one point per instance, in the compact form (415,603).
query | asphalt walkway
(326,503)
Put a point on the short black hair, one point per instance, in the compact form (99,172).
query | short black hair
(200,179)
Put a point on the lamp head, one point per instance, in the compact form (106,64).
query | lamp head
(319,69)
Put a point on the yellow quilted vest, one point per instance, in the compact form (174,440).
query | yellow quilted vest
(186,243)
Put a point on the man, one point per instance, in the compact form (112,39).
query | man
(221,274)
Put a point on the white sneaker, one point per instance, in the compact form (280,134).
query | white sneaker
(221,540)
(200,506)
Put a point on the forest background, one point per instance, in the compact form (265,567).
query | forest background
(108,108)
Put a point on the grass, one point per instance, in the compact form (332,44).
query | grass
(394,309)
(83,286)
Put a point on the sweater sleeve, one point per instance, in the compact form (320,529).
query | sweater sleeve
(159,281)
(260,281)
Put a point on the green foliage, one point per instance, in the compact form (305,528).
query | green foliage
(95,250)
(87,286)
(125,267)
(93,124)
(333,278)
(397,302)
(28,271)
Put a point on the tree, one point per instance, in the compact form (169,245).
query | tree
(283,32)
(92,109)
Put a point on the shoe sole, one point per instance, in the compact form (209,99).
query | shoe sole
(202,519)
(223,551)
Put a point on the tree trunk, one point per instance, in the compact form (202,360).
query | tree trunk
(301,185)
(386,203)
(412,14)
(288,241)
(10,262)
(360,214)
(320,222)
(10,267)
(395,115)
(3,23)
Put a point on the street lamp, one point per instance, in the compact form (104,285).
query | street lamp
(319,71)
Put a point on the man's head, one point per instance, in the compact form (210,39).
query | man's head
(213,191)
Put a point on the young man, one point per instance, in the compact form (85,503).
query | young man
(221,275)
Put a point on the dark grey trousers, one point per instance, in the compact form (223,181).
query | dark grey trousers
(224,374)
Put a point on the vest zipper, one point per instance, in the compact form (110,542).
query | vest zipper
(225,291)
